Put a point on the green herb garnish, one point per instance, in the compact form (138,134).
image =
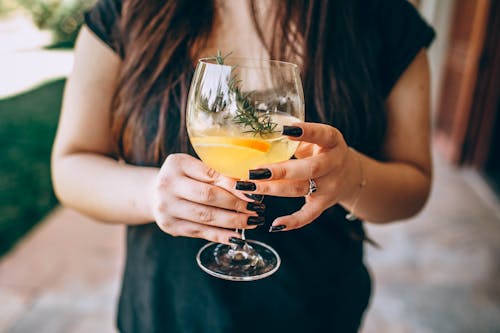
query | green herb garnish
(259,123)
(247,115)
(219,58)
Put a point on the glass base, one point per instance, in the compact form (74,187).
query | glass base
(253,261)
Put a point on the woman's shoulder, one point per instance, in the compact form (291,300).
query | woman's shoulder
(395,32)
(103,19)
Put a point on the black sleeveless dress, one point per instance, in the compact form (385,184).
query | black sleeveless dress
(323,284)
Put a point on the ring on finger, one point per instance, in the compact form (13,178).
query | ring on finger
(312,187)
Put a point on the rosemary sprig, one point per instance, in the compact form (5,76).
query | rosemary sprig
(219,58)
(247,115)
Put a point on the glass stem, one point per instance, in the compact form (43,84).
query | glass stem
(242,233)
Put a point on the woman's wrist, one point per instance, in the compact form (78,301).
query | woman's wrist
(143,187)
(149,197)
(355,180)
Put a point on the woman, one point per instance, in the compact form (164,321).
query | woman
(121,155)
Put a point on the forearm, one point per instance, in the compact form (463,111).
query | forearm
(103,188)
(393,191)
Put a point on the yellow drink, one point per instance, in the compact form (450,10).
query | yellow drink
(234,156)
(233,153)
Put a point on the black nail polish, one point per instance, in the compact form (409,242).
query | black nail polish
(237,241)
(292,131)
(256,207)
(259,174)
(277,228)
(245,186)
(256,220)
(256,197)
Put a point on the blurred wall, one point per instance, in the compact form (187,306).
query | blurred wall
(438,13)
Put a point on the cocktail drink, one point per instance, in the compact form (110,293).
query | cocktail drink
(233,155)
(236,111)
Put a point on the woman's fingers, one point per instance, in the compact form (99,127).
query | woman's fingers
(281,188)
(321,152)
(195,169)
(189,201)
(178,227)
(216,217)
(305,149)
(211,195)
(311,210)
(300,169)
(323,135)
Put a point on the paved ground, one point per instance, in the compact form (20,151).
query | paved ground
(62,278)
(436,273)
(440,272)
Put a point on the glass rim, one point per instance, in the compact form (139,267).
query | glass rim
(212,61)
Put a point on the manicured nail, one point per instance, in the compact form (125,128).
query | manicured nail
(259,174)
(245,186)
(275,228)
(255,220)
(292,131)
(237,241)
(256,197)
(256,207)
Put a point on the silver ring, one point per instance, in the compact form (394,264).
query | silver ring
(312,187)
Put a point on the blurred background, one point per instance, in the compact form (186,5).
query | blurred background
(439,272)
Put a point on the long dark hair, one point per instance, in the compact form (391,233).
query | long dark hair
(161,38)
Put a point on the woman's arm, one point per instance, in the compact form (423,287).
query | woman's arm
(395,189)
(399,188)
(85,177)
(184,197)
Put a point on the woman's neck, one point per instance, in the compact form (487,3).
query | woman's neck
(234,29)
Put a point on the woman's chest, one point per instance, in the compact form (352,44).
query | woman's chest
(235,30)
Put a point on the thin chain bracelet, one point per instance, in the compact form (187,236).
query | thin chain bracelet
(350,216)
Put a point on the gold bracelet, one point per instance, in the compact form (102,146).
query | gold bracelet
(350,216)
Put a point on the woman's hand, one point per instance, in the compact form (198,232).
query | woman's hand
(192,200)
(322,156)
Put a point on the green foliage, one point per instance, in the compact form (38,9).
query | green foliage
(27,128)
(63,17)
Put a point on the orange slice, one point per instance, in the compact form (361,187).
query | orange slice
(256,144)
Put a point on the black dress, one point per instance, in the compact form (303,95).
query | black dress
(323,284)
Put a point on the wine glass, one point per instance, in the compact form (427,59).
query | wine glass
(236,111)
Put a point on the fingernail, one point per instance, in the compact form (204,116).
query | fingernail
(275,228)
(259,174)
(256,197)
(237,241)
(245,186)
(256,207)
(255,220)
(292,131)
